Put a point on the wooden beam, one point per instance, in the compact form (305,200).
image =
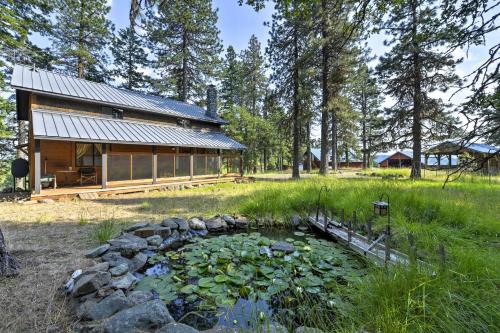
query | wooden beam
(104,167)
(155,164)
(191,164)
(38,167)
(241,163)
(219,164)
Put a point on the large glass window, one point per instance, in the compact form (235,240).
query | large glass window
(200,165)
(165,165)
(181,165)
(88,154)
(142,166)
(119,167)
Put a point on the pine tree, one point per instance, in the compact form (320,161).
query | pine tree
(185,40)
(413,68)
(286,50)
(252,67)
(365,99)
(129,54)
(339,24)
(231,90)
(81,35)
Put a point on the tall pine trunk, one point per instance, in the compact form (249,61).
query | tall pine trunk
(417,98)
(323,168)
(79,62)
(334,140)
(183,92)
(363,127)
(308,152)
(296,108)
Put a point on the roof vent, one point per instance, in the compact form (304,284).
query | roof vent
(211,101)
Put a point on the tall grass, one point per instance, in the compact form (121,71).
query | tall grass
(465,217)
(104,231)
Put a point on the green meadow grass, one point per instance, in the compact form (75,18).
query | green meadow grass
(464,216)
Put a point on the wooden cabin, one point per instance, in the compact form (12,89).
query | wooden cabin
(482,157)
(88,133)
(396,160)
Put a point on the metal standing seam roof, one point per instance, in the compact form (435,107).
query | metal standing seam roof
(43,81)
(76,127)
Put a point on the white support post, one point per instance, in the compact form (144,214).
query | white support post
(104,167)
(38,167)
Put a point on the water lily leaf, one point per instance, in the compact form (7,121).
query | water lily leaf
(217,289)
(206,282)
(313,290)
(220,278)
(188,289)
(224,301)
(299,234)
(245,291)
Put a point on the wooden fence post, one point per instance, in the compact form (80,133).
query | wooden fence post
(369,229)
(387,245)
(349,232)
(342,217)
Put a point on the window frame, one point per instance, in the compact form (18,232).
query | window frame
(94,154)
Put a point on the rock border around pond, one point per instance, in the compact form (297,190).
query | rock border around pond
(102,294)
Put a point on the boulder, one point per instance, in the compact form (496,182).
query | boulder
(170,223)
(229,220)
(100,267)
(115,259)
(124,282)
(155,240)
(119,270)
(89,282)
(152,230)
(137,226)
(296,220)
(137,262)
(241,222)
(182,224)
(128,245)
(216,224)
(98,251)
(283,246)
(148,317)
(197,224)
(136,297)
(177,328)
(173,242)
(305,329)
(107,306)
(83,308)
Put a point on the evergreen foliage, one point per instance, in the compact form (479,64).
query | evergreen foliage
(413,68)
(184,37)
(129,55)
(80,35)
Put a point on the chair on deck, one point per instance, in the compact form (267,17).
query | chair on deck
(88,175)
(48,178)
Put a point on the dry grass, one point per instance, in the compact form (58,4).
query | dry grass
(49,240)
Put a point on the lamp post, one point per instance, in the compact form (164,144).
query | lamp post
(382,208)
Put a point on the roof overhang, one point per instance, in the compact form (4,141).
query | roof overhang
(50,125)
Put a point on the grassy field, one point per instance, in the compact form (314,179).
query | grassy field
(49,239)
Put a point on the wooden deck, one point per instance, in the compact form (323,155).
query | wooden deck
(94,191)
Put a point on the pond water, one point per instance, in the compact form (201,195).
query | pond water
(238,280)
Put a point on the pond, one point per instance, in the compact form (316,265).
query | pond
(244,279)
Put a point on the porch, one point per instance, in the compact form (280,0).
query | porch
(94,191)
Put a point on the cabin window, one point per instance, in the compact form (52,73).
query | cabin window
(182,165)
(166,165)
(88,154)
(117,113)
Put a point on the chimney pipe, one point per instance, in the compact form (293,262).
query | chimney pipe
(211,101)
